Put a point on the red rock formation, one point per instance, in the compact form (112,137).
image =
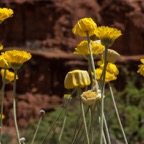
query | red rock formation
(47,24)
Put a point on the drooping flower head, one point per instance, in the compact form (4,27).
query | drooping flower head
(9,75)
(82,48)
(16,58)
(3,62)
(83,26)
(141,67)
(90,97)
(5,13)
(107,35)
(76,78)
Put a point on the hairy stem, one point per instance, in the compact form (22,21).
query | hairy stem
(14,106)
(117,114)
(102,94)
(39,122)
(2,103)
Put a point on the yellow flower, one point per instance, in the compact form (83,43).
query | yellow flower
(76,78)
(3,62)
(111,68)
(82,48)
(9,75)
(5,13)
(2,116)
(108,77)
(83,26)
(141,67)
(90,97)
(1,46)
(107,35)
(16,58)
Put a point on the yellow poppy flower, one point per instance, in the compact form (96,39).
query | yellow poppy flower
(141,67)
(83,26)
(9,75)
(3,62)
(82,48)
(16,58)
(5,13)
(76,78)
(108,77)
(107,35)
(90,97)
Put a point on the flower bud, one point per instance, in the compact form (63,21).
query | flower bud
(112,56)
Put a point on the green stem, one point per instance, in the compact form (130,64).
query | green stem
(102,94)
(14,106)
(41,117)
(2,103)
(89,68)
(104,138)
(117,114)
(92,60)
(78,128)
(54,122)
(106,127)
(83,116)
(64,122)
(91,124)
(84,121)
(107,131)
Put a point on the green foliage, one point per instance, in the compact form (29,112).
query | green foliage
(130,103)
(53,137)
(6,138)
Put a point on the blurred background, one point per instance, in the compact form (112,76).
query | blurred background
(44,28)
